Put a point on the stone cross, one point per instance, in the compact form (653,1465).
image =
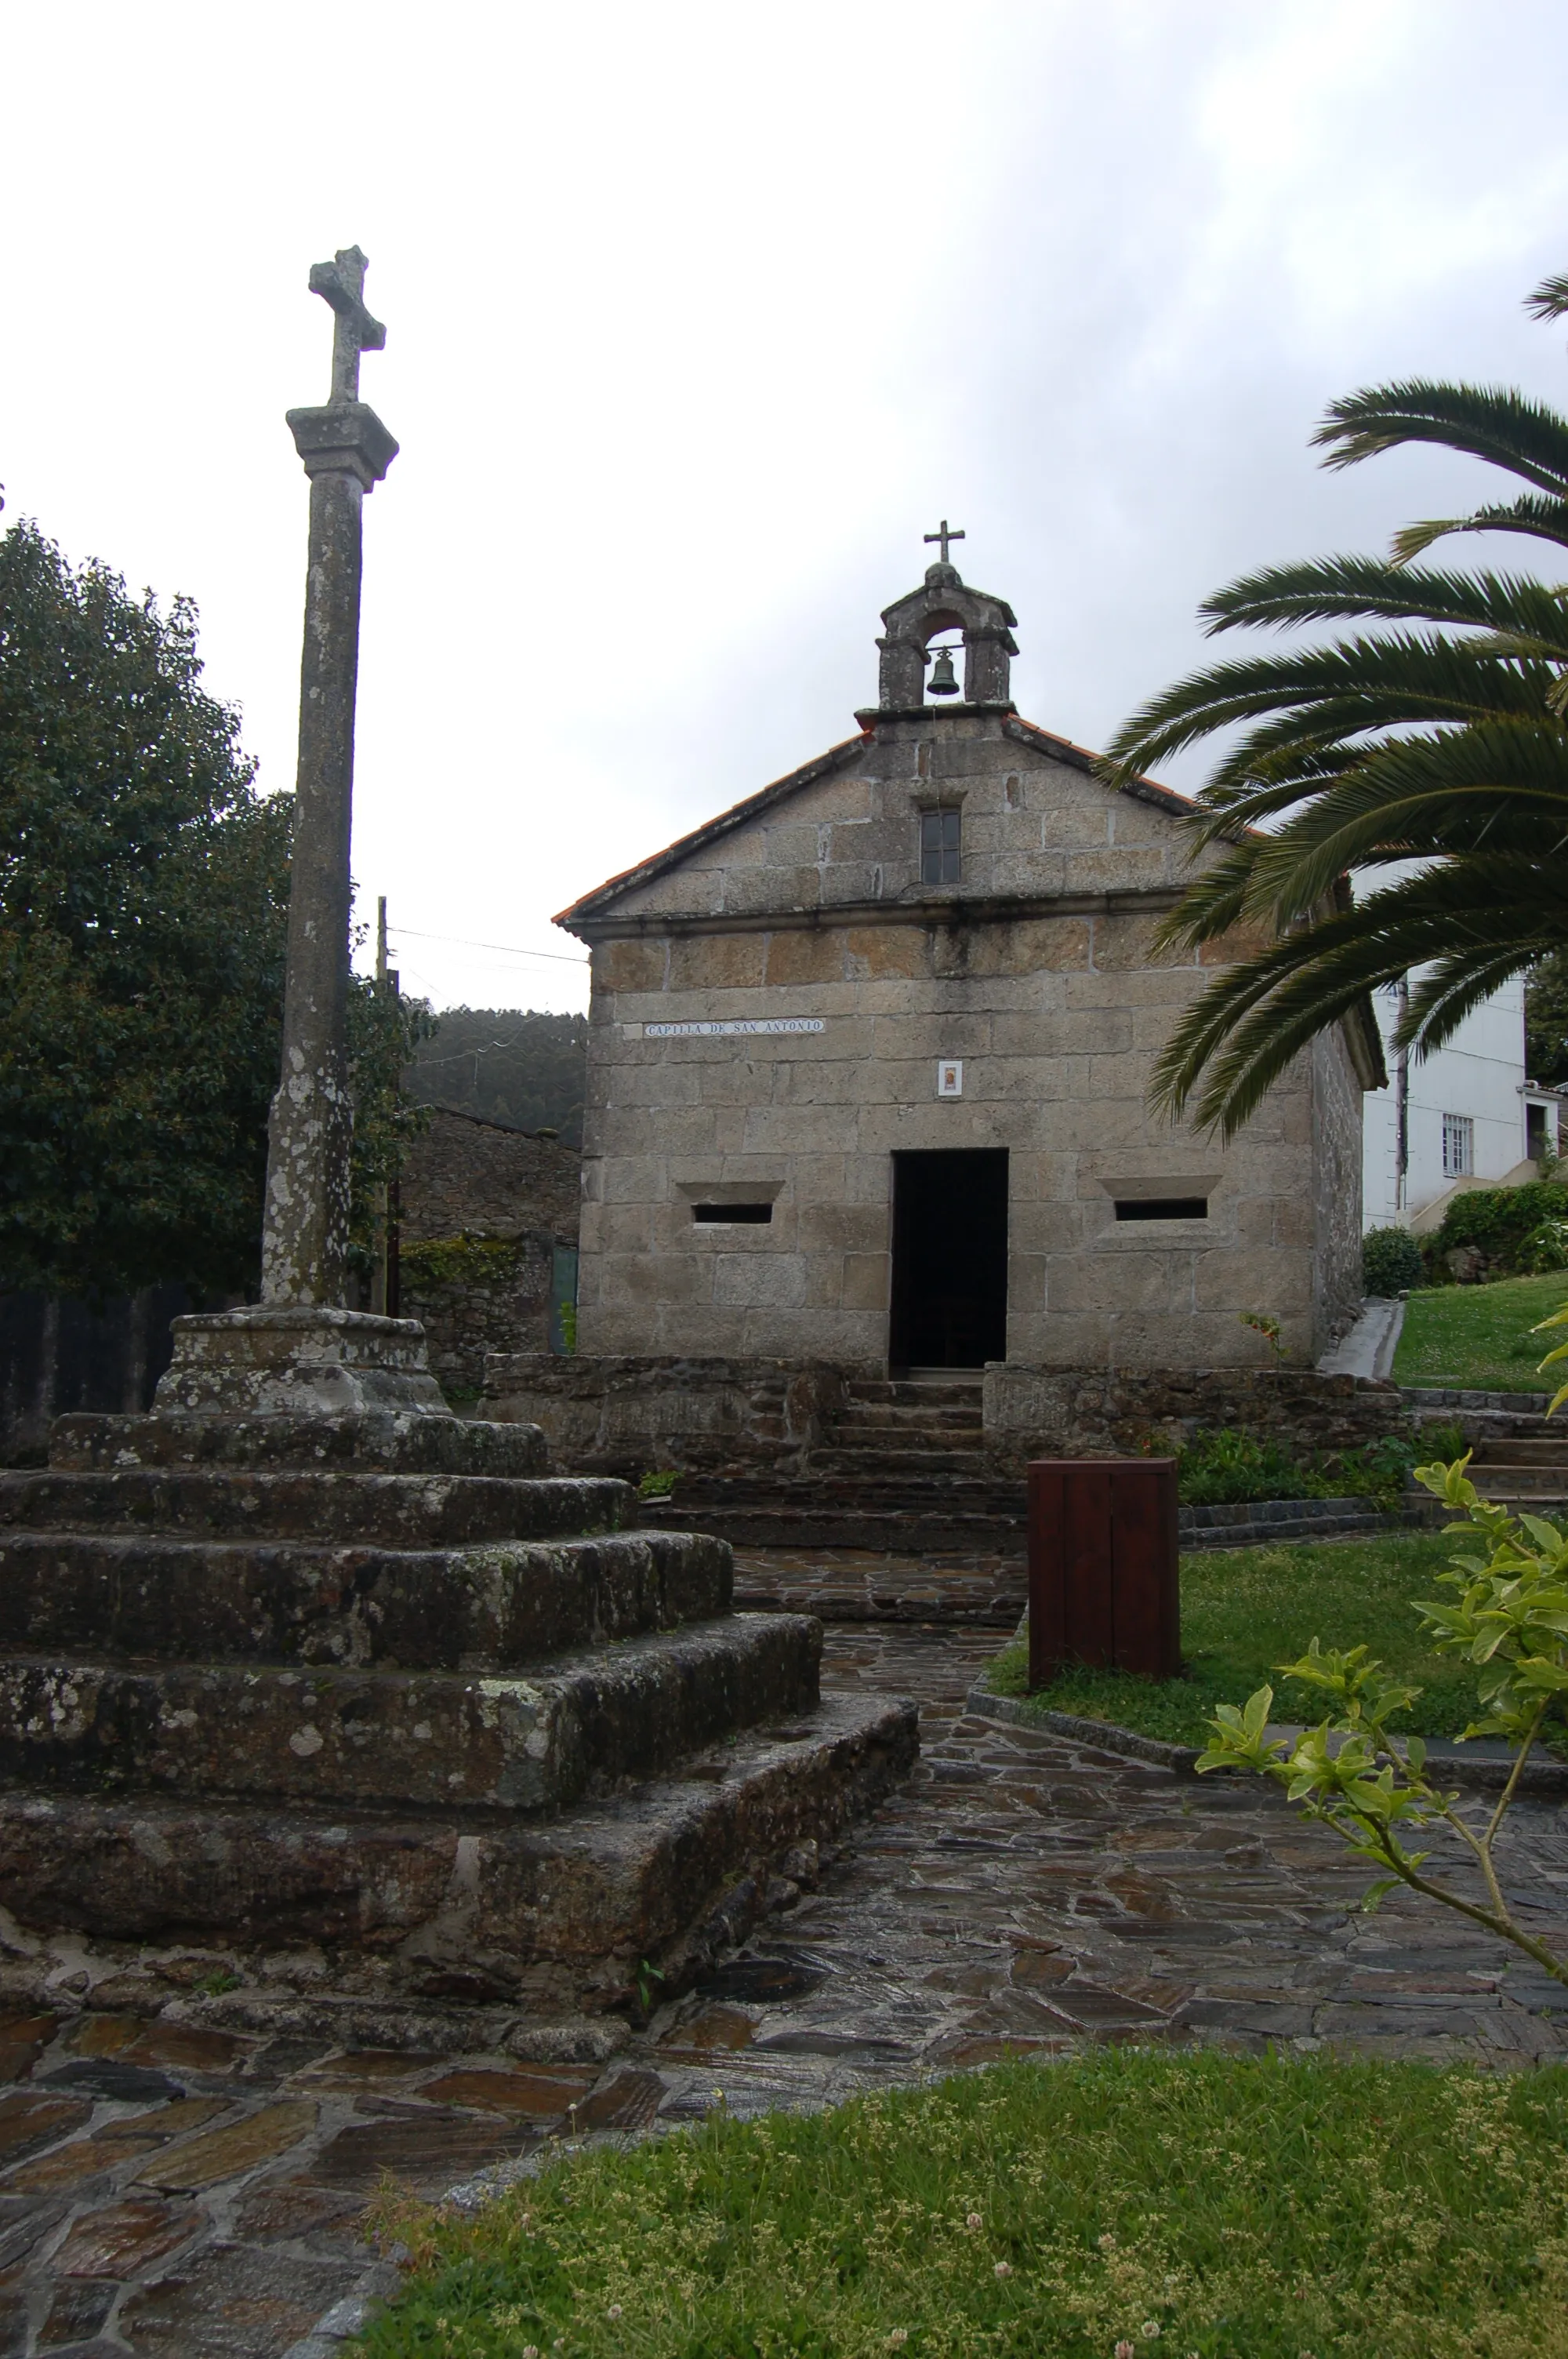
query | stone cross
(346,450)
(944,536)
(341,282)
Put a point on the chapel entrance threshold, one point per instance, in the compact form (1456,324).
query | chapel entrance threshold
(949,1260)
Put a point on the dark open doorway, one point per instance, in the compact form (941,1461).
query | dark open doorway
(949,1259)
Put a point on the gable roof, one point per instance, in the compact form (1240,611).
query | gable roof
(837,757)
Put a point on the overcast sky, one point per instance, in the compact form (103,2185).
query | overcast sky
(698,317)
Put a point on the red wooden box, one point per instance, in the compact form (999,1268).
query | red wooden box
(1102,1566)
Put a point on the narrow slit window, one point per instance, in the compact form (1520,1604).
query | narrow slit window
(939,846)
(1458,1146)
(754,1216)
(1162,1208)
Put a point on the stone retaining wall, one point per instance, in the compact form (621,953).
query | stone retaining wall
(1092,1412)
(500,1301)
(625,1414)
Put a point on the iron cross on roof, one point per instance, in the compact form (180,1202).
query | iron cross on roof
(945,536)
(341,283)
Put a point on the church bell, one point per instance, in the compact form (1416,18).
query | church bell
(943,681)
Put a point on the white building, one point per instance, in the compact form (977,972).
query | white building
(1467,1115)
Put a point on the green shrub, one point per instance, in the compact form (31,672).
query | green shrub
(1497,1222)
(1545,1248)
(1379,1470)
(657,1485)
(1391,1262)
(460,1261)
(1224,1468)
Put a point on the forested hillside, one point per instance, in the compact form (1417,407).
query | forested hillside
(509,1064)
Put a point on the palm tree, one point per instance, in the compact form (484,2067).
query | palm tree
(1441,739)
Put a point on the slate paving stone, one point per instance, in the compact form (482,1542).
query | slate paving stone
(70,2166)
(32,2119)
(1019,1896)
(232,2303)
(78,2307)
(542,2096)
(214,2156)
(425,2151)
(124,2238)
(294,2210)
(106,2077)
(366,2069)
(23,2038)
(628,2101)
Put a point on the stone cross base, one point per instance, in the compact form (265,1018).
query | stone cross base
(298,1361)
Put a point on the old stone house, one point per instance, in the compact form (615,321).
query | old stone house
(487,1237)
(867,1063)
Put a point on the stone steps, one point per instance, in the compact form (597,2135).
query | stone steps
(903,1418)
(300,1657)
(861,1461)
(904,1528)
(1524,1452)
(384,1442)
(418,1610)
(399,1741)
(563,1911)
(431,1510)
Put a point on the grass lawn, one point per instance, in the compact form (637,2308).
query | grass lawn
(1234,2207)
(1244,1610)
(1479,1336)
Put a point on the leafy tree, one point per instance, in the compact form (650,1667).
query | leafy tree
(1436,737)
(1546,1022)
(143,890)
(143,912)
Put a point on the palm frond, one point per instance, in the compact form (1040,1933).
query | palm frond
(1353,685)
(1491,422)
(1541,517)
(1239,1035)
(1550,300)
(1343,589)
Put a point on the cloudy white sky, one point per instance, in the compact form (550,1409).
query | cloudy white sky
(698,318)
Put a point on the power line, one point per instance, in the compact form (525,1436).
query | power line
(512,949)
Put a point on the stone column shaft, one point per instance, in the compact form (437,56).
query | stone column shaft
(305,1233)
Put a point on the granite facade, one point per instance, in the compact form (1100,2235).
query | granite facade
(1038,970)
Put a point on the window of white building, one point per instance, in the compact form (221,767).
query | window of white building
(1458,1146)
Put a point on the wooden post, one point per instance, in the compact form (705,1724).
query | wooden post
(1102,1566)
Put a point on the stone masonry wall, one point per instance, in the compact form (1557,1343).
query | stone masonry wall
(463,1176)
(1038,970)
(494,1301)
(1337,1189)
(622,1416)
(1073,1413)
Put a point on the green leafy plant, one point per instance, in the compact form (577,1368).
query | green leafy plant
(566,1319)
(1225,1467)
(1264,1323)
(647,1976)
(657,1484)
(1545,1248)
(1391,1262)
(214,1985)
(1508,1617)
(1499,1223)
(461,1260)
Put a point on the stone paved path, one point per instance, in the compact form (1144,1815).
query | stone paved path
(165,2191)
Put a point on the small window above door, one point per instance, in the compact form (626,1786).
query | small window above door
(939,853)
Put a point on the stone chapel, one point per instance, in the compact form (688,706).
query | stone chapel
(868,1054)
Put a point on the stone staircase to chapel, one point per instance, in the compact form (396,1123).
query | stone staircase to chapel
(904,1473)
(1518,1457)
